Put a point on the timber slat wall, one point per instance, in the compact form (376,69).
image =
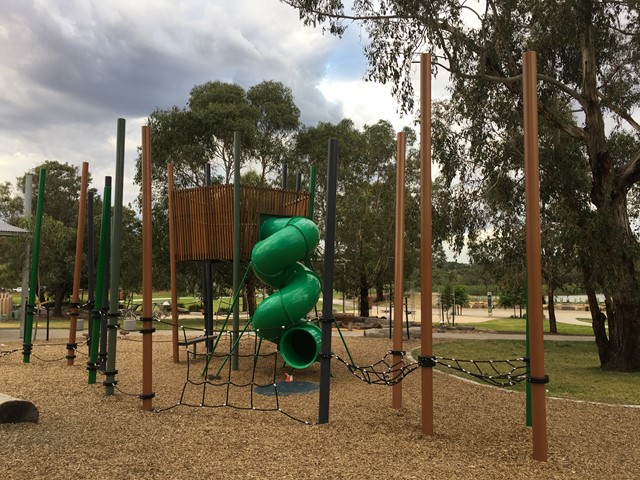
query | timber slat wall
(203,218)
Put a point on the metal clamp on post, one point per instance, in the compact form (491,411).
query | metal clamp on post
(146,330)
(427,361)
(397,352)
(108,383)
(146,396)
(327,320)
(92,366)
(538,380)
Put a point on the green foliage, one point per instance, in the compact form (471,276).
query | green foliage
(588,71)
(365,201)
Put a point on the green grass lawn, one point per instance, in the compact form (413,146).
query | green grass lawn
(573,368)
(510,325)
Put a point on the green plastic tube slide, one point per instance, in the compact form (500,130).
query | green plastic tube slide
(281,318)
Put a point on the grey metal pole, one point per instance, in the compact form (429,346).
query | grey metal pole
(327,296)
(116,242)
(208,286)
(28,198)
(236,243)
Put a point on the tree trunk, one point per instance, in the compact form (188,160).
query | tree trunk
(251,293)
(57,306)
(621,288)
(379,293)
(364,297)
(243,304)
(553,326)
(615,268)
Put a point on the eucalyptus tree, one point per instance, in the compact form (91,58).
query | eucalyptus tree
(278,120)
(588,58)
(365,208)
(202,133)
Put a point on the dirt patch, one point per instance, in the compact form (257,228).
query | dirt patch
(479,432)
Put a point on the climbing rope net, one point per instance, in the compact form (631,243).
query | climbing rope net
(395,366)
(220,383)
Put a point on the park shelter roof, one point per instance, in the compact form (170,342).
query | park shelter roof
(7,230)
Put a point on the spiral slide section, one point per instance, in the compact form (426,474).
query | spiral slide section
(281,317)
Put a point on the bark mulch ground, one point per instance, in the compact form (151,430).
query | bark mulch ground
(479,431)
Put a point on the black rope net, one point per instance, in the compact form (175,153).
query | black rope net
(500,373)
(386,371)
(395,366)
(212,382)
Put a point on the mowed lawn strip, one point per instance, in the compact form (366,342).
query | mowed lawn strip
(573,368)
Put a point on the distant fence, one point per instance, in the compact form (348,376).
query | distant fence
(6,306)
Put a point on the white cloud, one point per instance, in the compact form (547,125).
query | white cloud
(69,69)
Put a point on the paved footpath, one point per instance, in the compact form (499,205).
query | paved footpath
(469,316)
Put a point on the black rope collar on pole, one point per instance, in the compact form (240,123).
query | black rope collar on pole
(146,396)
(427,361)
(327,320)
(397,352)
(538,380)
(146,330)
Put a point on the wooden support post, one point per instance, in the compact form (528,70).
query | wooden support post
(396,393)
(426,302)
(147,274)
(537,377)
(172,268)
(77,269)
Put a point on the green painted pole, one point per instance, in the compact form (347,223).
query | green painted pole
(26,347)
(312,192)
(92,366)
(114,270)
(236,242)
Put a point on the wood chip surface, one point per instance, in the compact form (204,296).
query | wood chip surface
(479,431)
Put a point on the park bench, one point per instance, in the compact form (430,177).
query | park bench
(194,341)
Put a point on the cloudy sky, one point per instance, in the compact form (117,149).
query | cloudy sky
(70,68)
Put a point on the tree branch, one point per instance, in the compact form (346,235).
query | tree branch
(621,113)
(630,173)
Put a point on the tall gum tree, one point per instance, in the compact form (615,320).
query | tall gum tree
(588,57)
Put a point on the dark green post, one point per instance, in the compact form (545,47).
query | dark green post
(26,346)
(312,192)
(236,242)
(114,282)
(327,319)
(92,366)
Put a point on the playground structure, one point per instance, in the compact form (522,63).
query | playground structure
(315,340)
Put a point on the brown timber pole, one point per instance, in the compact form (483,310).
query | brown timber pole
(537,378)
(147,272)
(398,294)
(426,359)
(172,268)
(75,295)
